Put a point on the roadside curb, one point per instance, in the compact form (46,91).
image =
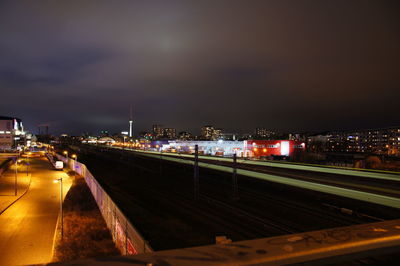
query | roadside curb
(23,194)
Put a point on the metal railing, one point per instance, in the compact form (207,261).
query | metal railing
(125,235)
(377,243)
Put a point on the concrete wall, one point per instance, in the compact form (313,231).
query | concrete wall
(125,235)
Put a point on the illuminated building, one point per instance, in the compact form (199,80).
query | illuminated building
(207,132)
(170,133)
(158,131)
(11,132)
(104,133)
(246,148)
(264,133)
(216,134)
(228,136)
(183,135)
(210,133)
(385,141)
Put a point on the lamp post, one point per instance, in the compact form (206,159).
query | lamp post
(75,158)
(27,163)
(60,180)
(66,156)
(16,177)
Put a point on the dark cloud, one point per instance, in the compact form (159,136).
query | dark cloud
(287,65)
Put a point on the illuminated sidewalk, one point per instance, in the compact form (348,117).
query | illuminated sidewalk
(27,228)
(7,186)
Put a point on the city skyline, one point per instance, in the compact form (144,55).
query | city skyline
(208,132)
(290,66)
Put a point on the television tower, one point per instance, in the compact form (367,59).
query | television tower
(130,122)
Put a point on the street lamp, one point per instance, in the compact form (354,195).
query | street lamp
(74,157)
(60,180)
(27,163)
(65,153)
(16,176)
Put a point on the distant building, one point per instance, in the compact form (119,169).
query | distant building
(297,136)
(317,142)
(379,141)
(263,133)
(104,133)
(229,136)
(183,135)
(11,132)
(158,131)
(280,149)
(146,135)
(246,136)
(210,133)
(384,141)
(207,132)
(170,133)
(216,134)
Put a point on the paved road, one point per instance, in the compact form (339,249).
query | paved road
(7,185)
(27,228)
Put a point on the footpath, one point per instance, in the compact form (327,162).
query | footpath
(28,226)
(13,186)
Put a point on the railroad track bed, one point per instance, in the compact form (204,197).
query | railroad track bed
(158,198)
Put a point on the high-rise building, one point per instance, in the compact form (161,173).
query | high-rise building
(158,131)
(170,133)
(207,132)
(216,134)
(210,133)
(183,135)
(11,132)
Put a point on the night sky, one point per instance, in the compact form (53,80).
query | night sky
(285,65)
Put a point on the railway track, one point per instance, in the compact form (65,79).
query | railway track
(234,221)
(246,219)
(376,186)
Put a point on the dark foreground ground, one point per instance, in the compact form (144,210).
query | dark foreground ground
(158,199)
(85,232)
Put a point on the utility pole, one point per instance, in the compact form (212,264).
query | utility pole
(234,179)
(196,172)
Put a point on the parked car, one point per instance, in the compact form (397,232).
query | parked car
(59,165)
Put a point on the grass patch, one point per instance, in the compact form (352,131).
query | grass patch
(85,232)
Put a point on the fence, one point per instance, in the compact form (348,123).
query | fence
(126,237)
